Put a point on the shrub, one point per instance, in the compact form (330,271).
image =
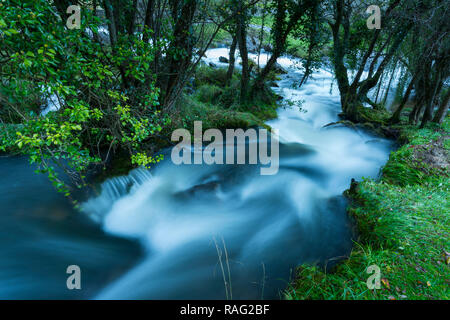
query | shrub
(208,93)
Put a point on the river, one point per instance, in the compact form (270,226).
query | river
(194,231)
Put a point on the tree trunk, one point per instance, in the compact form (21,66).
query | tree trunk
(109,12)
(148,20)
(177,64)
(396,116)
(231,60)
(379,88)
(413,115)
(282,28)
(261,34)
(443,108)
(241,34)
(388,88)
(428,114)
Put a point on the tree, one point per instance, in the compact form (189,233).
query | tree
(289,16)
(98,112)
(377,47)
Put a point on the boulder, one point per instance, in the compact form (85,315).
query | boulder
(267,47)
(279,69)
(223,59)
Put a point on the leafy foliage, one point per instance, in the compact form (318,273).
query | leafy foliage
(96,111)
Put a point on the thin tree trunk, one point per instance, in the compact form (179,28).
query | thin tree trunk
(132,18)
(148,20)
(177,64)
(261,35)
(427,115)
(242,42)
(396,116)
(281,31)
(388,88)
(413,115)
(443,108)
(379,88)
(231,60)
(109,12)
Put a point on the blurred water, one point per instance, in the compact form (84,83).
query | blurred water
(195,220)
(194,231)
(41,235)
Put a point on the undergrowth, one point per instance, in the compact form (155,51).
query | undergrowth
(402,225)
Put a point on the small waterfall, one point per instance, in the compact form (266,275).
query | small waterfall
(167,234)
(113,189)
(187,216)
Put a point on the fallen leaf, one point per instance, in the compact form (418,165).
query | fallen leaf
(385,282)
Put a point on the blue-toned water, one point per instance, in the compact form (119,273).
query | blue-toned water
(194,231)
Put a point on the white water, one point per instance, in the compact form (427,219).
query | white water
(266,224)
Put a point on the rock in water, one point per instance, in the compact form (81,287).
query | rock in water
(279,69)
(223,59)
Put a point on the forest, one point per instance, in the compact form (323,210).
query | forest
(357,92)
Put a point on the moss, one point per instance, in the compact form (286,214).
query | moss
(213,116)
(377,117)
(218,106)
(212,76)
(208,93)
(403,225)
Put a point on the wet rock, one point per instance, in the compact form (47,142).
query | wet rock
(212,65)
(223,59)
(341,123)
(267,47)
(279,69)
(206,189)
(252,44)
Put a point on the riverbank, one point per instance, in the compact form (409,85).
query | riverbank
(206,99)
(402,224)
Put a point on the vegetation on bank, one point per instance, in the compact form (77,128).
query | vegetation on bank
(219,106)
(402,223)
(115,86)
(121,92)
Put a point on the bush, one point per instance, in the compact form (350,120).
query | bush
(208,93)
(209,75)
(98,114)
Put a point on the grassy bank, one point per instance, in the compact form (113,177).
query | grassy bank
(402,224)
(217,106)
(206,99)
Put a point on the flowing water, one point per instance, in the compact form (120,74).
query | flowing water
(195,231)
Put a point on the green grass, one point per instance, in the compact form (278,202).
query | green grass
(219,107)
(213,116)
(403,227)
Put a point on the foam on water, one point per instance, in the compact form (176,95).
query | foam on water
(188,216)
